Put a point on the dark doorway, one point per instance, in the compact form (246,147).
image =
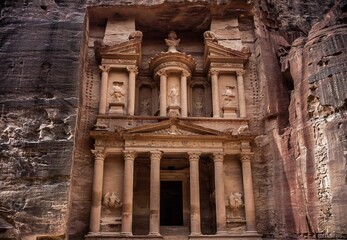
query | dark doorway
(171,206)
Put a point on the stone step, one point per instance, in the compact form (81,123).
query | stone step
(175,237)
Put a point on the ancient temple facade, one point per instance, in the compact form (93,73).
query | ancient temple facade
(172,142)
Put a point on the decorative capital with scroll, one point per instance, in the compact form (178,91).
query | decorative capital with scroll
(105,68)
(240,72)
(133,69)
(99,154)
(194,156)
(129,155)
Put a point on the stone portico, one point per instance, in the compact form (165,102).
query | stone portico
(172,146)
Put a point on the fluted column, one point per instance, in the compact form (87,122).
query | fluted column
(195,224)
(98,175)
(103,88)
(248,191)
(218,159)
(215,93)
(127,215)
(163,93)
(154,220)
(241,93)
(184,103)
(131,99)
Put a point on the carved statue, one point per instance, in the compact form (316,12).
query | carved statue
(172,42)
(174,96)
(199,105)
(117,92)
(111,200)
(145,104)
(229,95)
(210,35)
(235,203)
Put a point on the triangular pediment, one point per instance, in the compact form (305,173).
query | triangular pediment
(170,127)
(216,53)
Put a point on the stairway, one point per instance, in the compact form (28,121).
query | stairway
(174,232)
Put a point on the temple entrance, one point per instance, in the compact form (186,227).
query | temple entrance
(171,203)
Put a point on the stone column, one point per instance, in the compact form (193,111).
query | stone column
(103,88)
(154,220)
(215,93)
(131,98)
(241,93)
(248,192)
(195,224)
(98,175)
(163,93)
(184,100)
(219,192)
(127,215)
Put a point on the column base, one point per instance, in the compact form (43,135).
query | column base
(126,234)
(221,233)
(154,234)
(195,234)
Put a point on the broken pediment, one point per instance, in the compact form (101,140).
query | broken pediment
(128,50)
(170,127)
(216,53)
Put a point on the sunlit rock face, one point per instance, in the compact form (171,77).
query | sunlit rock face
(295,85)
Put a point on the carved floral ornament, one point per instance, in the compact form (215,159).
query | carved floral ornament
(194,156)
(218,157)
(105,68)
(133,69)
(129,155)
(99,154)
(156,155)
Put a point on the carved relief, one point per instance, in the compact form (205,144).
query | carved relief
(117,92)
(229,95)
(111,200)
(235,204)
(145,106)
(174,94)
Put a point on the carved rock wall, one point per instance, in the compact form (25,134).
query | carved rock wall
(303,157)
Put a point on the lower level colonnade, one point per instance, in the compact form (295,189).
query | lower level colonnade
(155,157)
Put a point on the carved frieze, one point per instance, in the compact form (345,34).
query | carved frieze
(173,144)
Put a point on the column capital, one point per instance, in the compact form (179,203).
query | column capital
(194,156)
(156,155)
(214,72)
(245,147)
(162,73)
(246,157)
(105,68)
(240,72)
(185,74)
(129,155)
(218,157)
(133,69)
(99,154)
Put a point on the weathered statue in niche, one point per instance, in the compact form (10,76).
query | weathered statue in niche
(174,96)
(229,95)
(145,106)
(199,105)
(117,92)
(235,204)
(111,200)
(172,42)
